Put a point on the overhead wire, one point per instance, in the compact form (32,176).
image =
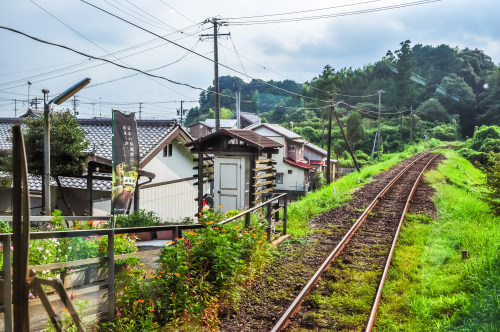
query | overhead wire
(350,13)
(200,55)
(98,58)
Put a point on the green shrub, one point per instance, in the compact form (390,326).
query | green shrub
(139,218)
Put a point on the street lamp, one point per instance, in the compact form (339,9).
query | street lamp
(46,135)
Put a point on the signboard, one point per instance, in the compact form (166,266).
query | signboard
(125,162)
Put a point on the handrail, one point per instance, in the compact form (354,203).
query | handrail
(5,239)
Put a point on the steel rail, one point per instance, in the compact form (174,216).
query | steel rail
(295,305)
(373,313)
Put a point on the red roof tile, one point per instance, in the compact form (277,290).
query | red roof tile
(298,164)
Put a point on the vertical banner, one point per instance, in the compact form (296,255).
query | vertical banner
(125,162)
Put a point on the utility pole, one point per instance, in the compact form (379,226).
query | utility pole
(140,111)
(379,121)
(329,141)
(238,110)
(216,22)
(181,111)
(29,86)
(75,104)
(349,148)
(411,124)
(34,101)
(15,108)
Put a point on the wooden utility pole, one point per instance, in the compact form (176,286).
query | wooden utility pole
(349,149)
(329,141)
(379,121)
(216,22)
(411,125)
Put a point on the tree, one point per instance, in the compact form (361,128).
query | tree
(355,129)
(458,98)
(405,88)
(432,110)
(67,146)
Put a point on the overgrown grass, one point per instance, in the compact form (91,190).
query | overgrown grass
(430,287)
(323,199)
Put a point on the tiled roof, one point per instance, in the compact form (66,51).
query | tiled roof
(277,129)
(98,132)
(316,148)
(224,123)
(298,164)
(35,182)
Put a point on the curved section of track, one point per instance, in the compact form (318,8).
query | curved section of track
(379,226)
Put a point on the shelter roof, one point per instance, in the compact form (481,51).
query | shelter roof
(223,138)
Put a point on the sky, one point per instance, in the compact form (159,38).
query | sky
(297,40)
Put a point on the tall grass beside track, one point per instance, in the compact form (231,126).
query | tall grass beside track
(430,287)
(323,200)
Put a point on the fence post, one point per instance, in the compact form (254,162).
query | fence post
(7,284)
(268,217)
(247,220)
(111,274)
(175,235)
(284,216)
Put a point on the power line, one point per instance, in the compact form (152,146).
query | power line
(98,58)
(302,11)
(200,55)
(357,12)
(86,61)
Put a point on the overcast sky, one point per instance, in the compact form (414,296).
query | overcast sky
(354,34)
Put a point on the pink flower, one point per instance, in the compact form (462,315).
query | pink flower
(70,248)
(118,314)
(48,226)
(71,271)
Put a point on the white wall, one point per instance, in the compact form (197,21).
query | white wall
(290,181)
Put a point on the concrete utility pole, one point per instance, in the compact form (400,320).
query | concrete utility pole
(238,110)
(15,108)
(379,121)
(216,22)
(140,111)
(35,102)
(75,104)
(29,86)
(181,112)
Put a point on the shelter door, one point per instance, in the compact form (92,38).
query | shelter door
(229,186)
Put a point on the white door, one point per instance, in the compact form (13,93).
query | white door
(229,183)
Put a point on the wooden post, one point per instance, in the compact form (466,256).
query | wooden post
(90,173)
(268,217)
(7,284)
(465,254)
(251,189)
(284,216)
(200,183)
(247,220)
(111,274)
(20,230)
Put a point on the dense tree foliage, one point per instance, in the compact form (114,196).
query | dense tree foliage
(428,92)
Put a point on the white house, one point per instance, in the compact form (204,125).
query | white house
(296,160)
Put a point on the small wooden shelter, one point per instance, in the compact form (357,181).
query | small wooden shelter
(241,179)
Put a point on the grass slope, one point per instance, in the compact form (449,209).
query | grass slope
(430,287)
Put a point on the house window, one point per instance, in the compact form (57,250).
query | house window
(291,148)
(167,150)
(289,171)
(279,177)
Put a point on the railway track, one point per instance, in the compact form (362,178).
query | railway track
(368,245)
